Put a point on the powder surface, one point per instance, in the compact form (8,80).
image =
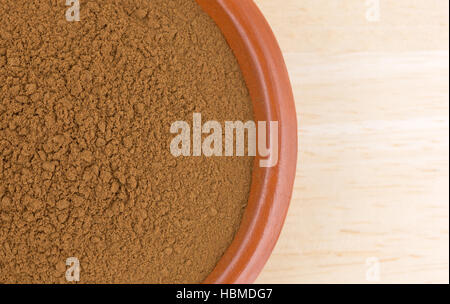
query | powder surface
(85,164)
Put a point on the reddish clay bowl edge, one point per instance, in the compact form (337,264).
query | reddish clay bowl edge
(261,61)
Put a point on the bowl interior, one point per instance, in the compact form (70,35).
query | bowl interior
(261,61)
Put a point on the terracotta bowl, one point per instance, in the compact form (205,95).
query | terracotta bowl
(252,41)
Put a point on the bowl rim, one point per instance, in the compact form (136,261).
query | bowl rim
(261,61)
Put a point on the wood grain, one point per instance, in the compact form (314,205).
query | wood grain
(373,106)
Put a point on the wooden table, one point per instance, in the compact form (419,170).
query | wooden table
(371,199)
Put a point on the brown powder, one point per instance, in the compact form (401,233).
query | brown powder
(85,164)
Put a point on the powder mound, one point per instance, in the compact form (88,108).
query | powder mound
(85,164)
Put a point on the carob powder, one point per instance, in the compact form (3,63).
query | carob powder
(85,163)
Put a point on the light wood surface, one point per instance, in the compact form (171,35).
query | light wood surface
(371,198)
